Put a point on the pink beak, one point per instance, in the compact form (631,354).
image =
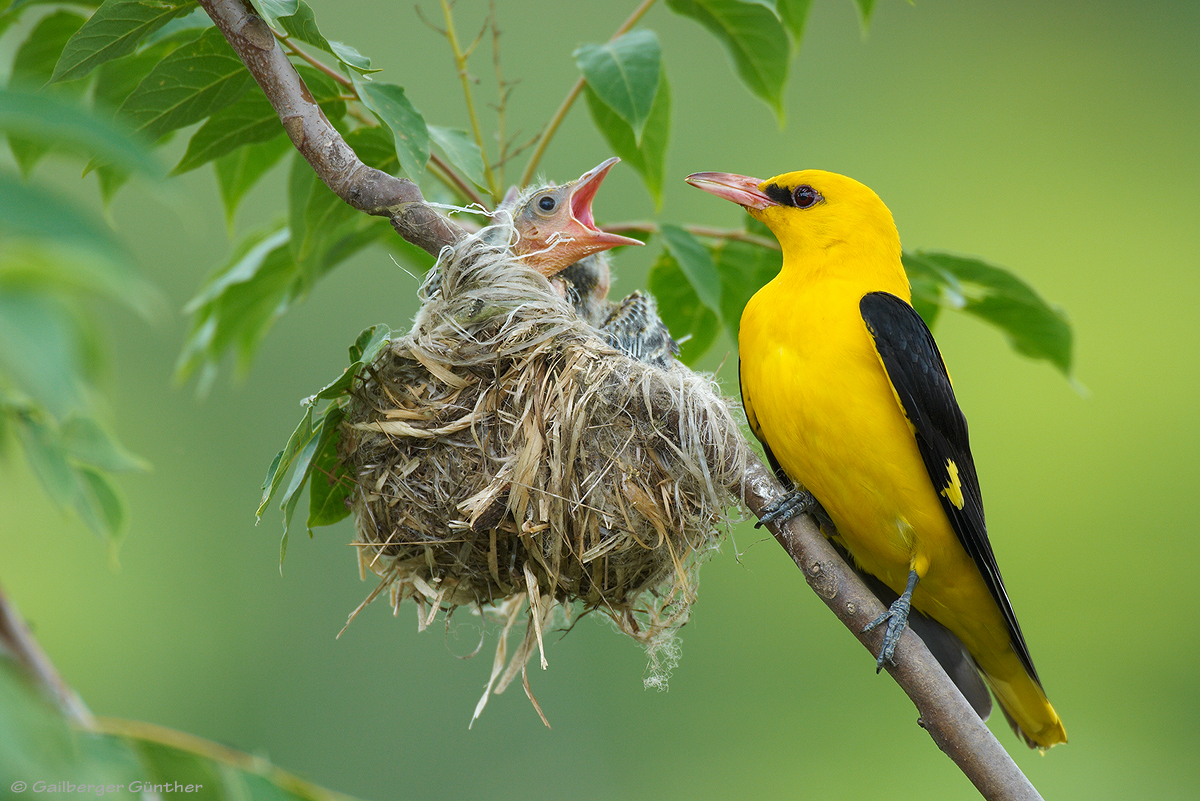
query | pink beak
(584,191)
(741,189)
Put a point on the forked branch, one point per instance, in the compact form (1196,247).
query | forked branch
(365,188)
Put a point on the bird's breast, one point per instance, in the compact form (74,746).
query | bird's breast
(824,406)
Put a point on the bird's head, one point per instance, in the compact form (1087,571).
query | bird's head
(556,227)
(809,209)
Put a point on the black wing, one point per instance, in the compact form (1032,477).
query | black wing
(918,375)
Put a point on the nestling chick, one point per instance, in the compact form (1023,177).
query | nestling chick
(557,236)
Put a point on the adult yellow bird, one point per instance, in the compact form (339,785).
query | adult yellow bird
(845,387)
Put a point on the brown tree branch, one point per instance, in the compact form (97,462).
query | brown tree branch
(18,642)
(365,188)
(944,713)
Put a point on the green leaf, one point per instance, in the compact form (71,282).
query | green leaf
(33,64)
(66,480)
(114,31)
(367,345)
(31,214)
(690,322)
(301,435)
(250,120)
(318,218)
(648,157)
(388,102)
(117,79)
(90,444)
(39,742)
(1033,327)
(794,14)
(239,171)
(696,263)
(194,81)
(272,10)
(330,482)
(624,75)
(180,29)
(41,349)
(32,67)
(48,458)
(932,288)
(375,147)
(239,304)
(100,505)
(865,7)
(744,268)
(302,25)
(461,151)
(51,119)
(755,38)
(352,58)
(364,350)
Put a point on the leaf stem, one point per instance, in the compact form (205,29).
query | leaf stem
(561,113)
(454,180)
(460,62)
(295,51)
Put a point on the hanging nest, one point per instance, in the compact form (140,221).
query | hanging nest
(506,458)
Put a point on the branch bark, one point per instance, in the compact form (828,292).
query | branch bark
(18,642)
(365,188)
(944,713)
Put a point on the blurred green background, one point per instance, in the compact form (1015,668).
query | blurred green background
(1059,140)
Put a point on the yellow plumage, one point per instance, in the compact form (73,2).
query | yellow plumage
(818,394)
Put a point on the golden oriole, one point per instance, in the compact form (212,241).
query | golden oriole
(844,385)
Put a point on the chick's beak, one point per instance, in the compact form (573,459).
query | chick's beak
(741,189)
(587,237)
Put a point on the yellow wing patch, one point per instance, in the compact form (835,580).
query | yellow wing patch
(953,490)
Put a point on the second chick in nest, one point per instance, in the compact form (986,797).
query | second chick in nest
(558,237)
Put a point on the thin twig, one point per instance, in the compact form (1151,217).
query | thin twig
(460,62)
(503,90)
(569,101)
(318,64)
(454,180)
(18,642)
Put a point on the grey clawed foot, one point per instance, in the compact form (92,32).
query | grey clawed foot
(897,618)
(795,502)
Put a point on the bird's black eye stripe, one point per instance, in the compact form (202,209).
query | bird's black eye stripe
(781,195)
(546,203)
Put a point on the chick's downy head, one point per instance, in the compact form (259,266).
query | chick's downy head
(555,225)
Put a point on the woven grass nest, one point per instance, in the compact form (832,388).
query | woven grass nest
(507,459)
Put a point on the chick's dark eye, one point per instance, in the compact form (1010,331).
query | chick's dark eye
(804,197)
(547,203)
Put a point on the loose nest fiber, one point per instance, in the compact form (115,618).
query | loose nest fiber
(506,458)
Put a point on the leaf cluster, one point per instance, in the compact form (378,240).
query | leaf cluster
(159,67)
(57,263)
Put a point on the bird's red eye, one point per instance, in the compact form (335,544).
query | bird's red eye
(546,203)
(804,197)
